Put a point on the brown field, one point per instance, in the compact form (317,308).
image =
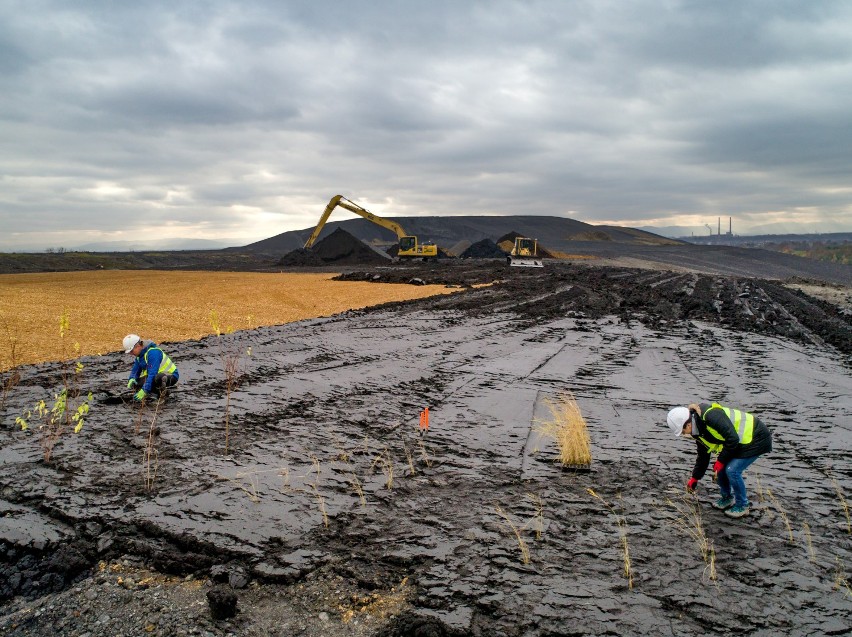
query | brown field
(104,306)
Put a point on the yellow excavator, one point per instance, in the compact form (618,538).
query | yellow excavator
(524,254)
(408,245)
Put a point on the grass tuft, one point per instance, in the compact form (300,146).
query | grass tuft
(568,429)
(385,462)
(783,514)
(843,503)
(809,541)
(622,527)
(516,531)
(687,517)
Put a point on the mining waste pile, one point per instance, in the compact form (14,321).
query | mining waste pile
(507,241)
(343,248)
(338,248)
(306,496)
(484,249)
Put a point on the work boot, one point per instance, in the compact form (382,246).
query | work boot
(723,504)
(737,511)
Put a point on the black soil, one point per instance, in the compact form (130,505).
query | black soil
(338,248)
(485,249)
(301,528)
(300,258)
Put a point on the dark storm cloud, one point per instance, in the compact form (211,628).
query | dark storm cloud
(241,119)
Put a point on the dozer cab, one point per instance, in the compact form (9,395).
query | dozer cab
(409,247)
(524,254)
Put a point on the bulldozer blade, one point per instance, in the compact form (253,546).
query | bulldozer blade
(521,262)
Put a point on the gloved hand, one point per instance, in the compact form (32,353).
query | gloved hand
(140,395)
(131,383)
(691,484)
(718,467)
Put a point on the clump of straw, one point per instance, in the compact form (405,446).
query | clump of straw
(568,429)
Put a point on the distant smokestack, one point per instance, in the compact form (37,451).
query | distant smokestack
(719,226)
(731,226)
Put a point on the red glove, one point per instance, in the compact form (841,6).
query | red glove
(718,467)
(691,484)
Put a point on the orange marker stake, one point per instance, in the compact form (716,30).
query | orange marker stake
(424,421)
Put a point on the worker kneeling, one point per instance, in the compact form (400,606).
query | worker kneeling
(737,437)
(153,371)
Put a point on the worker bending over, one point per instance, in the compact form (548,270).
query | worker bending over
(153,371)
(736,437)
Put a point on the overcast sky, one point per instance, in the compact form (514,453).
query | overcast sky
(235,121)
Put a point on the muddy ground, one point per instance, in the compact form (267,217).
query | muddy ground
(331,514)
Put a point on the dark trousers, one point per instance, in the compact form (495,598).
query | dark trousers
(161,382)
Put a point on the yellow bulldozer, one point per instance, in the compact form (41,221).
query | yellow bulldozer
(524,254)
(409,247)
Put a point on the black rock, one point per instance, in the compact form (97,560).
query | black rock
(222,601)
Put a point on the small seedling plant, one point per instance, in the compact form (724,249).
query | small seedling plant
(517,529)
(233,358)
(151,458)
(622,527)
(10,347)
(68,410)
(686,516)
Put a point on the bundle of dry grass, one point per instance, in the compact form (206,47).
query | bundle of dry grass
(568,429)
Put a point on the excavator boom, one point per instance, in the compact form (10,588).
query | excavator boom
(408,245)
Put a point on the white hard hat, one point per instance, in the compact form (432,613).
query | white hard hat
(129,342)
(677,419)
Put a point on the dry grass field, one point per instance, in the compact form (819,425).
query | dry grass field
(104,306)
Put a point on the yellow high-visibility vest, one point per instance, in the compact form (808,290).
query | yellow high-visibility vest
(166,365)
(743,424)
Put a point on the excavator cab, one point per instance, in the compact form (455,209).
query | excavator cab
(409,248)
(407,244)
(524,254)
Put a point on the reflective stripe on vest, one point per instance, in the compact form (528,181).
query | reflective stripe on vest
(716,446)
(166,365)
(743,422)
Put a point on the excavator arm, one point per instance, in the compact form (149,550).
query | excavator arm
(408,244)
(340,200)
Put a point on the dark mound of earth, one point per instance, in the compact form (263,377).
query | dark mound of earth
(510,237)
(508,240)
(485,249)
(338,248)
(751,305)
(301,257)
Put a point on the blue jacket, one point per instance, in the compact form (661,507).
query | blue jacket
(150,362)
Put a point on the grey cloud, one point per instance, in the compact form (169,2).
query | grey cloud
(604,110)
